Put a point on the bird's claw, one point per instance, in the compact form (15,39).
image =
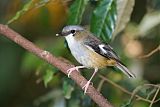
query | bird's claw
(85,87)
(69,71)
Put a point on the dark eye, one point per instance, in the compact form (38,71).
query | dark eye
(73,31)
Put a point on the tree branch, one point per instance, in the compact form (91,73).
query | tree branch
(60,64)
(151,53)
(133,94)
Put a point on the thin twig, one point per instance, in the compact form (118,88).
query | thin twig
(123,89)
(154,97)
(151,93)
(135,91)
(54,61)
(157,100)
(100,85)
(133,94)
(152,85)
(151,53)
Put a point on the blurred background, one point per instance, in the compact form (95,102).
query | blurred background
(27,81)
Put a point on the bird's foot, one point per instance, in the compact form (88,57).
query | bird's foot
(85,87)
(69,71)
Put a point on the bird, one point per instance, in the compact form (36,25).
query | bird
(90,52)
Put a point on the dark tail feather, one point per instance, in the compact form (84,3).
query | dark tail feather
(125,70)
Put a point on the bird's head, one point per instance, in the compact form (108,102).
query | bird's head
(73,31)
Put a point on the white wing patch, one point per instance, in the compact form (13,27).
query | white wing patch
(89,48)
(102,48)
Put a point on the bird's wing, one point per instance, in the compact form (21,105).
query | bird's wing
(103,49)
(106,50)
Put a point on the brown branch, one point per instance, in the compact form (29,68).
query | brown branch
(124,90)
(60,64)
(151,53)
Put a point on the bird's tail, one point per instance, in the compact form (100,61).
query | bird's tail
(125,70)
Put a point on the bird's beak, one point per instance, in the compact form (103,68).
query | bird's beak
(59,34)
(62,34)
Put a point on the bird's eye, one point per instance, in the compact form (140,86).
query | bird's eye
(73,31)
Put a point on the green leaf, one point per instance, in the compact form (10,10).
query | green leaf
(76,11)
(25,8)
(67,88)
(48,76)
(103,19)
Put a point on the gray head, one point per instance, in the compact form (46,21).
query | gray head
(71,29)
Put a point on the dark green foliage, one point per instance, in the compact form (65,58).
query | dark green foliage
(67,87)
(76,11)
(103,19)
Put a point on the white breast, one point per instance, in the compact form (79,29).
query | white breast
(77,50)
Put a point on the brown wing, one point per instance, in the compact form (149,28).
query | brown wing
(105,50)
(101,48)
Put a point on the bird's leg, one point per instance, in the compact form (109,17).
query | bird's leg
(69,71)
(85,87)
